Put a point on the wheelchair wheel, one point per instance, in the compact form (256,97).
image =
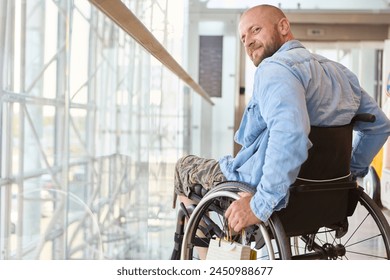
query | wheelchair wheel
(371,185)
(367,237)
(207,222)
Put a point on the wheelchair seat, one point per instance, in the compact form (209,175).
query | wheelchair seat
(322,201)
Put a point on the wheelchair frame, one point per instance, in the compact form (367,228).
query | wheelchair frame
(321,220)
(319,243)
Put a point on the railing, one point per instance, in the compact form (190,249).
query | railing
(126,20)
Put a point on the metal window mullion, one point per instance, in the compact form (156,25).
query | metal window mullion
(10,47)
(62,119)
(19,181)
(7,199)
(66,146)
(378,76)
(3,24)
(90,191)
(20,200)
(3,20)
(129,45)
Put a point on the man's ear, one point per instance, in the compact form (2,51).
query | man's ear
(284,26)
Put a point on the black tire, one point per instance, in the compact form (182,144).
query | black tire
(211,210)
(372,185)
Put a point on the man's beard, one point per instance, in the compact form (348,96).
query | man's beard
(270,49)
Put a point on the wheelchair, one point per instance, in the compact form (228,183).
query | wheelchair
(328,216)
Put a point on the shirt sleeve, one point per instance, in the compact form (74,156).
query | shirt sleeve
(368,137)
(281,98)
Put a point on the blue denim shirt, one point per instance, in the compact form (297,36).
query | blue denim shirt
(293,90)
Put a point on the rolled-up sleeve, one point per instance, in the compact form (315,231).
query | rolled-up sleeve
(284,111)
(368,137)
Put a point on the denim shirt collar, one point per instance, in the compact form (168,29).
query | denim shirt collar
(289,45)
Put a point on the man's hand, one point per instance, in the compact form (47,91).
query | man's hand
(239,213)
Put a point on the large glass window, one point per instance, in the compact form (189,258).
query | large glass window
(91,126)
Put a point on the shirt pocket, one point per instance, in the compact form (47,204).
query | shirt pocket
(254,125)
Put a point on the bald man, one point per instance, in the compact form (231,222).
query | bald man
(293,89)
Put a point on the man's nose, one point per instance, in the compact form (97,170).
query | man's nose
(248,42)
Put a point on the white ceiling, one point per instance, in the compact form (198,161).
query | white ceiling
(302,4)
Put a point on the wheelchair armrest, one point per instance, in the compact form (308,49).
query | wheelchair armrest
(363,118)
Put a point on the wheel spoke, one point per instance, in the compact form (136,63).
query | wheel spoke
(363,240)
(358,227)
(367,255)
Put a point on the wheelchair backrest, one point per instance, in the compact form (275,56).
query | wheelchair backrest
(330,155)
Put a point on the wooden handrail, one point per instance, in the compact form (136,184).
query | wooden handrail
(125,19)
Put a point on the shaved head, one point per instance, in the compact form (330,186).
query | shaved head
(263,30)
(268,12)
